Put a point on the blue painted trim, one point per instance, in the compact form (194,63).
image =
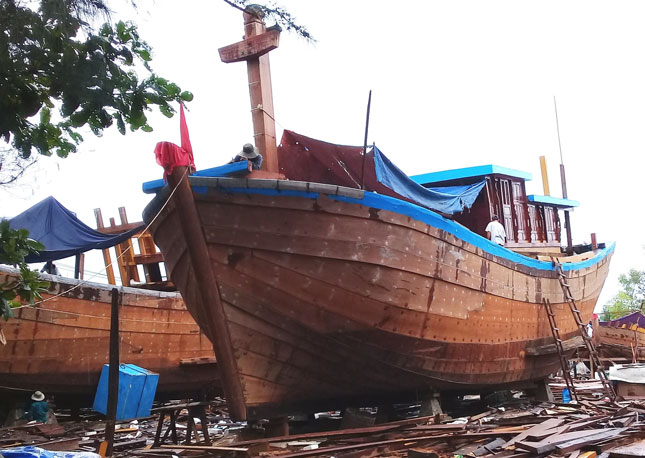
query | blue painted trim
(469,172)
(555,201)
(263,191)
(240,168)
(431,218)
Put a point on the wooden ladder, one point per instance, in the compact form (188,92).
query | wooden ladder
(564,363)
(582,327)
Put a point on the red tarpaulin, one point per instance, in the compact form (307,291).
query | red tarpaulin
(306,159)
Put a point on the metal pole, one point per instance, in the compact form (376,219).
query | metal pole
(77,267)
(557,126)
(567,218)
(113,375)
(367,126)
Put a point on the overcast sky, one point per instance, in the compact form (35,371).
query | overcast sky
(455,84)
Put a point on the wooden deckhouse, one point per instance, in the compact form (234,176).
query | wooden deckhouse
(531,221)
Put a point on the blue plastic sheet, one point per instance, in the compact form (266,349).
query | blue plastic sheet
(36,452)
(447,200)
(62,233)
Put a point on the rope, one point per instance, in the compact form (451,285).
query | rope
(260,107)
(103,272)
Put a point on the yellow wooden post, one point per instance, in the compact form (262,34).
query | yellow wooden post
(545,177)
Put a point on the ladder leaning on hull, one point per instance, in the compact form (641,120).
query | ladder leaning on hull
(593,354)
(564,363)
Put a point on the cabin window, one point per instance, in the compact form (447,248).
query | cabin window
(551,224)
(519,210)
(537,227)
(507,210)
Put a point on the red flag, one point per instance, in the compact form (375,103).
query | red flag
(185,138)
(170,155)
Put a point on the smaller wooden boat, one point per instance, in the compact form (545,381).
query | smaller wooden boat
(624,336)
(60,346)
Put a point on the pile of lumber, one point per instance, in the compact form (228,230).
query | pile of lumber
(531,430)
(588,429)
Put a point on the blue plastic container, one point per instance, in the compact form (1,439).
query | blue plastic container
(566,396)
(137,389)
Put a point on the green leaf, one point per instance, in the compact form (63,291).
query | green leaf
(45,115)
(5,309)
(123,32)
(120,124)
(144,54)
(79,118)
(173,90)
(186,96)
(137,119)
(106,30)
(167,110)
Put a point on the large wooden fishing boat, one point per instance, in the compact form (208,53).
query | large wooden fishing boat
(61,345)
(330,277)
(329,292)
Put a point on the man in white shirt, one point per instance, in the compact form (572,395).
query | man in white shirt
(495,231)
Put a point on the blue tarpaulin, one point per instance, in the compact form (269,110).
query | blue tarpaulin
(448,199)
(37,452)
(62,233)
(307,159)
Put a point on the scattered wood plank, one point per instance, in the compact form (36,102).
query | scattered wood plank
(635,450)
(205,448)
(127,445)
(550,443)
(490,447)
(545,425)
(575,444)
(422,453)
(62,445)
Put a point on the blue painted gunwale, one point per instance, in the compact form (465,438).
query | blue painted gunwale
(236,168)
(469,172)
(381,202)
(555,201)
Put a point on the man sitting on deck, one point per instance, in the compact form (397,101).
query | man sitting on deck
(495,231)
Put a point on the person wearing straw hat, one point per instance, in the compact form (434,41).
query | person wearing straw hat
(39,408)
(251,154)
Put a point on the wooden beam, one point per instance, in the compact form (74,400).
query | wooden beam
(113,374)
(117,229)
(106,252)
(254,49)
(148,258)
(128,249)
(205,448)
(548,349)
(250,48)
(209,291)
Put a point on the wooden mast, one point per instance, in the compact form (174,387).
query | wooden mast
(254,50)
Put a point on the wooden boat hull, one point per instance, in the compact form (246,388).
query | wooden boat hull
(60,346)
(331,294)
(626,342)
